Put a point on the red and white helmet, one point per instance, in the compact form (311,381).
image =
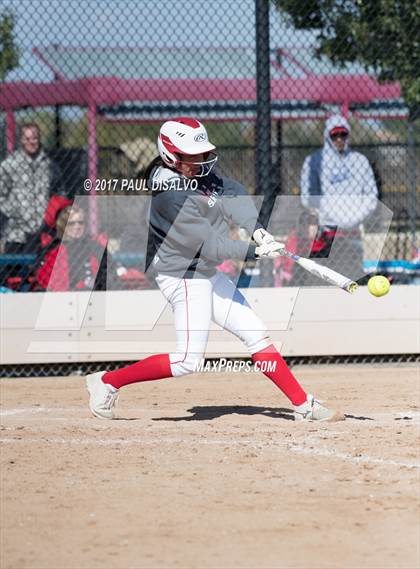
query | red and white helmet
(185,136)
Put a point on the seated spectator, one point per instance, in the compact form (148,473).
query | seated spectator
(304,240)
(70,259)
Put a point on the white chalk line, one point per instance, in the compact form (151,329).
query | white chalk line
(257,445)
(35,410)
(21,411)
(359,458)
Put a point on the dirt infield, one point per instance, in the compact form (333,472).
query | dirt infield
(209,471)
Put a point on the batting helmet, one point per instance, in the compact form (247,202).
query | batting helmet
(185,137)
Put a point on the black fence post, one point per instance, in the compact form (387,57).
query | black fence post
(57,116)
(412,182)
(263,159)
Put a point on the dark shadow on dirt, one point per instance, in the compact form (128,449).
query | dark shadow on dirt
(215,411)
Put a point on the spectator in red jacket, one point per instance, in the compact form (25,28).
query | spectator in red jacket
(70,259)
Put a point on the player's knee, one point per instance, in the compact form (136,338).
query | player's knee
(259,342)
(190,363)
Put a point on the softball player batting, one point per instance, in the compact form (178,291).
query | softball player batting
(192,209)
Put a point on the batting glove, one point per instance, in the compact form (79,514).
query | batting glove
(261,236)
(272,249)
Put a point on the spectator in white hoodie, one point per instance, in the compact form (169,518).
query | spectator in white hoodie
(339,186)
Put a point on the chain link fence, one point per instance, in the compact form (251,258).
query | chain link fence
(83,368)
(85,87)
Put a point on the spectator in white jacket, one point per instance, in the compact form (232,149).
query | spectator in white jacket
(339,185)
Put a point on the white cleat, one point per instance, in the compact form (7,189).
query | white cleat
(312,410)
(103,396)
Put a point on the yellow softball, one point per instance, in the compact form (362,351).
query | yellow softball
(379,285)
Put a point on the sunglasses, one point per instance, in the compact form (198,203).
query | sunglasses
(70,223)
(338,135)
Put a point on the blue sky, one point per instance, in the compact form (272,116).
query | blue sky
(131,23)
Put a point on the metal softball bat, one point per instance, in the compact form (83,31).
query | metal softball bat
(319,271)
(322,272)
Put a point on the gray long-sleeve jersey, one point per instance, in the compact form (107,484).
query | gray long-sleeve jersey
(190,221)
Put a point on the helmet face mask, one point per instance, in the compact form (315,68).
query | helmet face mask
(190,166)
(184,146)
